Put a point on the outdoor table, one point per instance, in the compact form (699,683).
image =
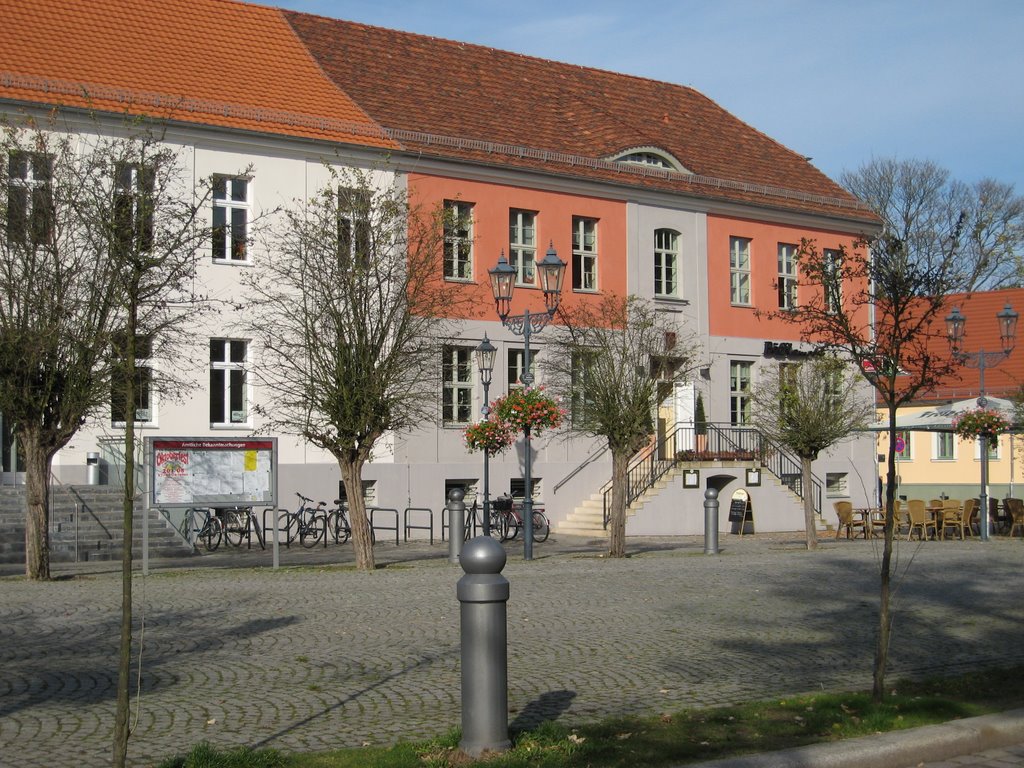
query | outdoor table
(867,516)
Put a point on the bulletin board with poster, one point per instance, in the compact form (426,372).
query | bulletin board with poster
(212,472)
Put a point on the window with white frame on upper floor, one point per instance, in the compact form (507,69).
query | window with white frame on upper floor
(945,446)
(457,385)
(787,276)
(739,270)
(832,279)
(584,254)
(354,229)
(231,219)
(143,381)
(134,185)
(666,263)
(522,245)
(458,240)
(229,396)
(740,399)
(29,218)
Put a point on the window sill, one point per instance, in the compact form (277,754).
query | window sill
(233,263)
(245,425)
(463,280)
(591,291)
(679,300)
(740,305)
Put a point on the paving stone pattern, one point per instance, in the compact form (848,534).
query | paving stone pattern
(320,657)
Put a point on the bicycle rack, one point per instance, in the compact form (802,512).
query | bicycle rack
(410,527)
(374,526)
(282,514)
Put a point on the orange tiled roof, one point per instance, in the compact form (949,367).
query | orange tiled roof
(982,333)
(215,62)
(451,99)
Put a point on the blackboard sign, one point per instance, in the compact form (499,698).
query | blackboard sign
(737,509)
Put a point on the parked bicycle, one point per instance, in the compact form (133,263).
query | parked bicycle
(512,519)
(338,525)
(497,525)
(308,523)
(238,524)
(206,527)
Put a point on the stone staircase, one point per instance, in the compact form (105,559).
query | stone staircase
(588,518)
(85,524)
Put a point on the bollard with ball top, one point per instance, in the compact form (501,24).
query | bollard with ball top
(456,523)
(483,593)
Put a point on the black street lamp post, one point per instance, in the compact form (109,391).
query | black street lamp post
(550,270)
(955,326)
(485,364)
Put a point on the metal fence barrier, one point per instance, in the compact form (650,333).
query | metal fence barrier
(409,526)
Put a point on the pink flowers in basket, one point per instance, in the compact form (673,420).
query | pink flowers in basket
(980,422)
(528,408)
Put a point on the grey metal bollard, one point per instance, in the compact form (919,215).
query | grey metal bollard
(711,521)
(456,523)
(483,594)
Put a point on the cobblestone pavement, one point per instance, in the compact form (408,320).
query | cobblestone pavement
(316,656)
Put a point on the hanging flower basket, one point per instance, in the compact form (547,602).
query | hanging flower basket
(980,422)
(528,408)
(492,436)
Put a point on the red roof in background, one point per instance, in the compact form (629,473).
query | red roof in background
(213,62)
(982,333)
(495,104)
(237,65)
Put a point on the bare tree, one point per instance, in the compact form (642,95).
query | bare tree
(350,308)
(808,407)
(922,207)
(882,310)
(607,361)
(143,210)
(56,315)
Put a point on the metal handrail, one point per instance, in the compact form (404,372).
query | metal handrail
(720,441)
(589,460)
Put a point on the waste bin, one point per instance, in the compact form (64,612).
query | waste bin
(92,468)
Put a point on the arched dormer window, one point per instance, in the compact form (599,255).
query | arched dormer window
(650,156)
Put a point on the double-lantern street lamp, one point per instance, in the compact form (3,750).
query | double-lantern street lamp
(550,271)
(955,327)
(485,364)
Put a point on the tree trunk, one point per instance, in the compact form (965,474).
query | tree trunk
(124,657)
(807,486)
(884,608)
(37,498)
(617,513)
(352,477)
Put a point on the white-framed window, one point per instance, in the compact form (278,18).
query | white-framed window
(231,219)
(993,449)
(134,185)
(903,438)
(666,263)
(517,488)
(787,276)
(739,270)
(584,254)
(740,379)
(944,446)
(30,213)
(144,401)
(229,388)
(832,275)
(522,245)
(516,360)
(354,229)
(581,385)
(457,385)
(835,484)
(458,240)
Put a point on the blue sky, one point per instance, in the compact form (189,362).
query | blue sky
(842,82)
